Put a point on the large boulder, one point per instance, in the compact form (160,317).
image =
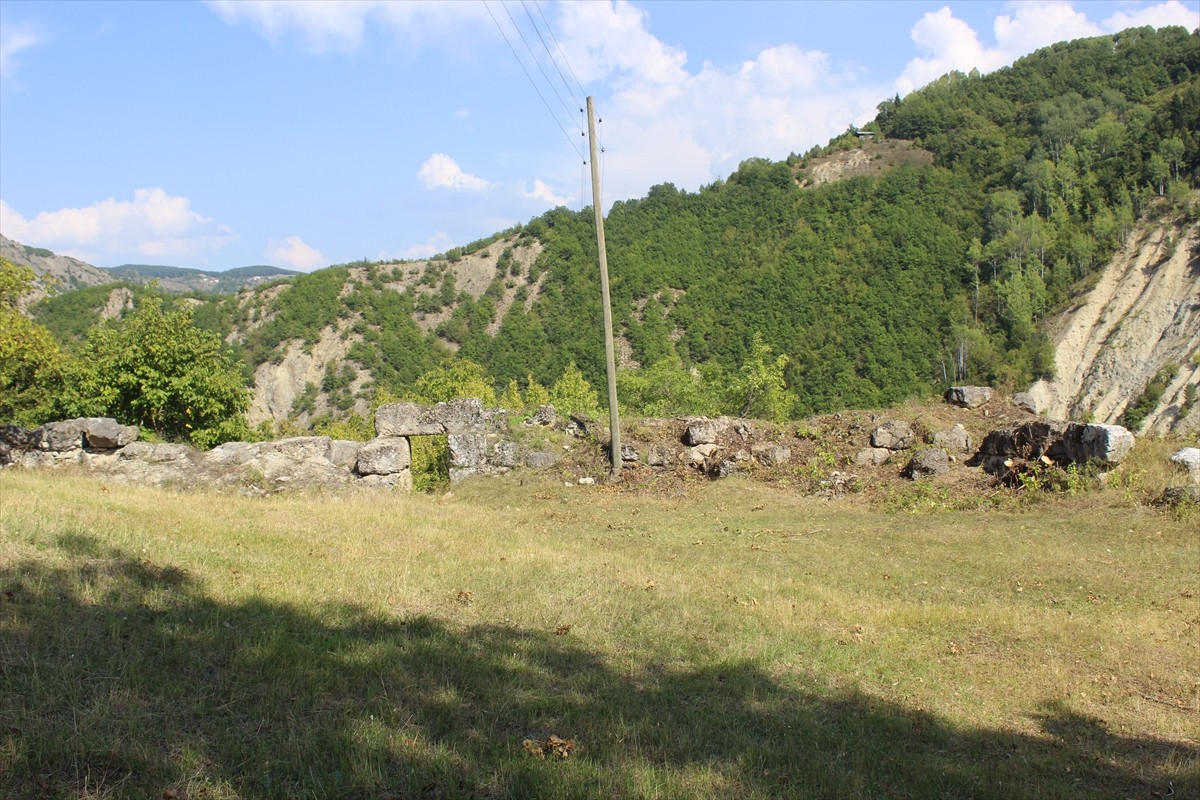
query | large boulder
(1061,443)
(955,440)
(14,441)
(344,452)
(895,434)
(770,454)
(927,463)
(1188,459)
(105,433)
(61,437)
(1106,445)
(703,430)
(872,456)
(968,396)
(1026,402)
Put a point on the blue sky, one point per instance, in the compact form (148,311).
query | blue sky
(300,134)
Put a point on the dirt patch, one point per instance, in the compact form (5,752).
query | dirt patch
(869,158)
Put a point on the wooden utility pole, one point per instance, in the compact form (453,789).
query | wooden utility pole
(614,422)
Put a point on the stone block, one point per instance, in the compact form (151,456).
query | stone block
(658,455)
(300,448)
(344,453)
(466,449)
(1026,402)
(505,454)
(385,455)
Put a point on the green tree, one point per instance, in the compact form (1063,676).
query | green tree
(157,370)
(30,362)
(572,394)
(459,378)
(759,390)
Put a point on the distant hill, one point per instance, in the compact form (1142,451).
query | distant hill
(54,273)
(952,239)
(184,279)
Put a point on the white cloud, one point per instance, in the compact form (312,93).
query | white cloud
(949,43)
(14,39)
(543,192)
(668,123)
(153,225)
(338,25)
(1162,15)
(462,113)
(602,38)
(441,172)
(437,243)
(294,253)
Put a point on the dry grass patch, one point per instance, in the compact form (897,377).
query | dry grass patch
(719,640)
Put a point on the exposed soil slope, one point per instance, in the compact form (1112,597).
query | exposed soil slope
(1142,315)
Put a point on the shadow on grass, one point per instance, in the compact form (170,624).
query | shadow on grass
(121,678)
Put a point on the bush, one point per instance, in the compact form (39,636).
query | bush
(30,361)
(157,370)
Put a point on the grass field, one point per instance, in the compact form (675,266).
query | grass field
(718,640)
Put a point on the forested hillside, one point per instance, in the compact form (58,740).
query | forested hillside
(927,248)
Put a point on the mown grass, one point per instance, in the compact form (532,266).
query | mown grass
(722,640)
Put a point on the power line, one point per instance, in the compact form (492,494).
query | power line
(533,83)
(550,30)
(533,55)
(546,47)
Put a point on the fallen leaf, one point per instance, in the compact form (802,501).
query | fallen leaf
(651,585)
(562,630)
(560,747)
(465,597)
(391,600)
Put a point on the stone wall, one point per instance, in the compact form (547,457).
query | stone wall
(484,442)
(477,439)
